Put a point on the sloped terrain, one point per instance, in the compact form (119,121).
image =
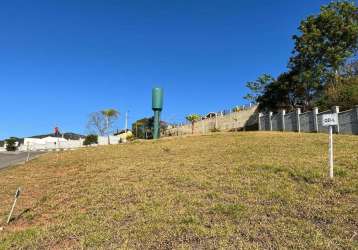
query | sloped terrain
(225,190)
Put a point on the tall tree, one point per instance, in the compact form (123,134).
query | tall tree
(282,93)
(101,122)
(110,116)
(323,46)
(257,88)
(193,118)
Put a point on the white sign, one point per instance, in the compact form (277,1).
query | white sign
(330,119)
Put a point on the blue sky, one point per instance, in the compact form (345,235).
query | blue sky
(62,60)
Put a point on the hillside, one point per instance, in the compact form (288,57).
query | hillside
(225,190)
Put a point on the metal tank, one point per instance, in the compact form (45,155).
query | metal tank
(157,106)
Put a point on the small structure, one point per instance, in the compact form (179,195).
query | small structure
(49,143)
(157,106)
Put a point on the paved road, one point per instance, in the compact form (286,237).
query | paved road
(12,158)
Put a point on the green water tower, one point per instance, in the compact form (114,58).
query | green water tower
(157,106)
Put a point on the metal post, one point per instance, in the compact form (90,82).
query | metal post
(157,106)
(330,152)
(216,120)
(126,122)
(156,124)
(315,119)
(259,122)
(335,109)
(28,152)
(298,112)
(17,194)
(283,113)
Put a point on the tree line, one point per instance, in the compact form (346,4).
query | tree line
(323,68)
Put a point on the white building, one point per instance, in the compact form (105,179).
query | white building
(49,143)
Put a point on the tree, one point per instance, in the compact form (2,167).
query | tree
(257,88)
(143,128)
(11,144)
(96,123)
(101,122)
(344,94)
(140,127)
(193,118)
(110,116)
(90,139)
(326,41)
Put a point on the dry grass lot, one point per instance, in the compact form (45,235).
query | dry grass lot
(225,190)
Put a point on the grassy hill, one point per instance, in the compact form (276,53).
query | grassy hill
(233,190)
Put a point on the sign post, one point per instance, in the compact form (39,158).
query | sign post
(28,152)
(17,194)
(330,120)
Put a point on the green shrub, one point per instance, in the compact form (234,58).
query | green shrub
(343,94)
(130,137)
(11,144)
(90,139)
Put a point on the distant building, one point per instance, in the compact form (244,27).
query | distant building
(49,142)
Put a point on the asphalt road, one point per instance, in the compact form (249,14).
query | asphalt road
(12,158)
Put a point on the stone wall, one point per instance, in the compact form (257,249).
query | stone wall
(226,122)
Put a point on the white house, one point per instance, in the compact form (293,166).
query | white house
(49,143)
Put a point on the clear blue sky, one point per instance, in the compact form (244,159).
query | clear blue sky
(61,60)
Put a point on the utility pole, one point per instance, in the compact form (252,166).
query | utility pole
(126,121)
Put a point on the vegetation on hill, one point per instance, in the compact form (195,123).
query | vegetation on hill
(102,122)
(229,191)
(90,139)
(11,144)
(143,128)
(322,70)
(192,118)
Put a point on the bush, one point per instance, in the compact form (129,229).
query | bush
(130,137)
(90,139)
(344,94)
(11,144)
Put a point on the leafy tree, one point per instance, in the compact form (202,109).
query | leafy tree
(90,139)
(275,96)
(143,128)
(11,144)
(140,127)
(101,122)
(110,116)
(320,58)
(344,94)
(325,43)
(193,118)
(257,88)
